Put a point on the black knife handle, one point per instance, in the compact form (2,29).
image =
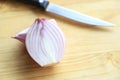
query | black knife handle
(42,4)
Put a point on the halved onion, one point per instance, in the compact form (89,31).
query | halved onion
(44,41)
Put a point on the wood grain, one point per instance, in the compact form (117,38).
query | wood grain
(92,53)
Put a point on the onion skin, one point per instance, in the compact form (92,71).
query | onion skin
(44,41)
(21,35)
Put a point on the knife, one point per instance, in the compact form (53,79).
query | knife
(73,15)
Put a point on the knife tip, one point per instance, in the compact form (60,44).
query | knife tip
(106,24)
(109,25)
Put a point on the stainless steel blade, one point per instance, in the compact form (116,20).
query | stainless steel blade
(79,17)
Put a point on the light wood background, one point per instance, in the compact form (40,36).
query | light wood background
(92,53)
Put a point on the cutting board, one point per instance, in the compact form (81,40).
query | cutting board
(91,53)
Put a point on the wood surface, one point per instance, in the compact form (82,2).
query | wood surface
(92,53)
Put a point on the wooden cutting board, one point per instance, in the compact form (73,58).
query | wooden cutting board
(92,53)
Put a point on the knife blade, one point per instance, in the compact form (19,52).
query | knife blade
(73,15)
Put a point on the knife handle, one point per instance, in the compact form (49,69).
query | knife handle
(42,3)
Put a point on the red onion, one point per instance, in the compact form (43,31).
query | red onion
(44,41)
